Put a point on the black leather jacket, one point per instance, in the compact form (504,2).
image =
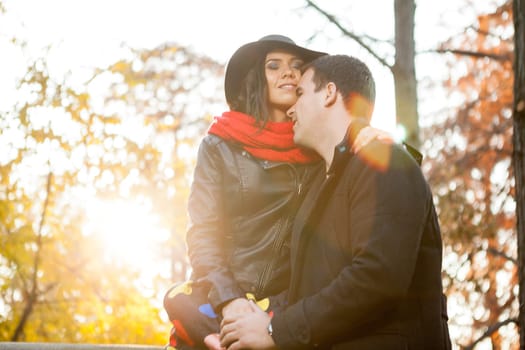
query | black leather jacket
(241,210)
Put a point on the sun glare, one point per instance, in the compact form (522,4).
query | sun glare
(129,231)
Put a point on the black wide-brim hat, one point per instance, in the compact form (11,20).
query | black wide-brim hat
(245,57)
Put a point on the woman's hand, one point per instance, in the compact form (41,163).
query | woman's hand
(236,307)
(367,135)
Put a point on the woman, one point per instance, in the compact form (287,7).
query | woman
(248,182)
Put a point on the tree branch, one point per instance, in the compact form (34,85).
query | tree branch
(491,330)
(496,252)
(476,54)
(346,32)
(487,34)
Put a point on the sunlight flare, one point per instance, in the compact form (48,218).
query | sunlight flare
(128,231)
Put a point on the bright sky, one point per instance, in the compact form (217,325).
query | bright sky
(84,33)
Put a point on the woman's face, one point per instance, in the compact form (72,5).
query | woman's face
(282,71)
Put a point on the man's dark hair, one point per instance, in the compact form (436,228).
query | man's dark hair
(350,75)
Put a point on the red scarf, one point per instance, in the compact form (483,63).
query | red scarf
(274,142)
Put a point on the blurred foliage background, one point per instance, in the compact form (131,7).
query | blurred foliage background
(94,176)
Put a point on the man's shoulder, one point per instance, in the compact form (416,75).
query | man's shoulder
(384,156)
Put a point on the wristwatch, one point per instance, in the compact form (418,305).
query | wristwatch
(270,328)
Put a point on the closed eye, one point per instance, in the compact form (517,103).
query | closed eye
(297,64)
(272,65)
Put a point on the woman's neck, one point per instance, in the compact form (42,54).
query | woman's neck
(278,116)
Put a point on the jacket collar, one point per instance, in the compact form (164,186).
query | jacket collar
(343,150)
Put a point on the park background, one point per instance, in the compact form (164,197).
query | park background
(102,106)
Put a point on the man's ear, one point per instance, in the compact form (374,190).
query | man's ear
(330,94)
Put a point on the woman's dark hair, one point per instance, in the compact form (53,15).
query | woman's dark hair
(253,97)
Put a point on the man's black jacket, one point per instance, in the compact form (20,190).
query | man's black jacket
(366,258)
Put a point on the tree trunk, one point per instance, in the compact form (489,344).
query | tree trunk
(518,154)
(404,71)
(31,295)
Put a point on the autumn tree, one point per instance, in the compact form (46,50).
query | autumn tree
(49,273)
(63,144)
(468,163)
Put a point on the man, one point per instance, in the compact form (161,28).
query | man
(366,246)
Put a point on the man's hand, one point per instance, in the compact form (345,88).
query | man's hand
(247,331)
(213,342)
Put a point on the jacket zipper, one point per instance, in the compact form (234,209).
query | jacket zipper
(278,242)
(268,268)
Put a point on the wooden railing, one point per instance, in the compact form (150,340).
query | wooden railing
(67,346)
